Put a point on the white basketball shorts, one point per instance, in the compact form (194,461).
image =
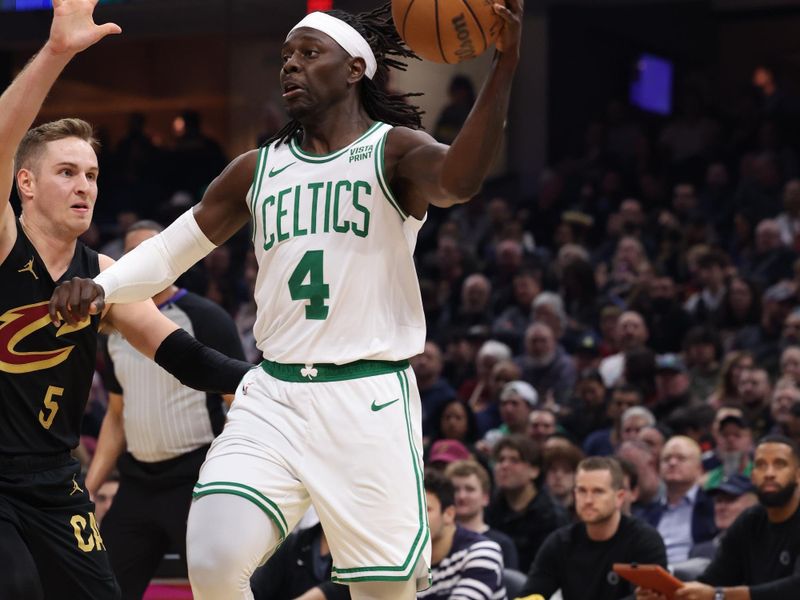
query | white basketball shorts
(346,438)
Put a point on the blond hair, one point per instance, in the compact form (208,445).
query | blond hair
(32,145)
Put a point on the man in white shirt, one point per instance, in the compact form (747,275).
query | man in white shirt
(631,332)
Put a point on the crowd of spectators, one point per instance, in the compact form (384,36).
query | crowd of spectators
(643,304)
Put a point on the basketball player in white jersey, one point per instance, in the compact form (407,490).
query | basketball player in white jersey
(332,416)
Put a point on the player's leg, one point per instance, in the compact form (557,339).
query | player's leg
(227,537)
(20,578)
(247,497)
(63,537)
(369,494)
(384,590)
(134,540)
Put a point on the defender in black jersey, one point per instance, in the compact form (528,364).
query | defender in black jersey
(48,368)
(50,546)
(45,375)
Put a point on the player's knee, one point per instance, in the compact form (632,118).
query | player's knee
(217,574)
(226,539)
(218,566)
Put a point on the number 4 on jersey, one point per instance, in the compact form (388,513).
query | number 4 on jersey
(315,291)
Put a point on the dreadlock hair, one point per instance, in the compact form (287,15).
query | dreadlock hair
(378,29)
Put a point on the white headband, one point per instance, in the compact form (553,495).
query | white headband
(344,35)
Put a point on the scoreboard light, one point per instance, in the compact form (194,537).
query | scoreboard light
(313,5)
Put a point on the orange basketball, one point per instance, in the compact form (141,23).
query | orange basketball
(446,31)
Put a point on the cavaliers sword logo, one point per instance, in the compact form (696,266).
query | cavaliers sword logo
(17,324)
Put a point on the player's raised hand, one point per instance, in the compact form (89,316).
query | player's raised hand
(511,15)
(76,299)
(73,28)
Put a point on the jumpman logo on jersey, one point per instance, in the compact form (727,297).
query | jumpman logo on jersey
(29,268)
(75,487)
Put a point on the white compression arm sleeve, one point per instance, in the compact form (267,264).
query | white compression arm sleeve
(156,263)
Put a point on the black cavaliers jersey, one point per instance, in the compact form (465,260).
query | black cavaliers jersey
(45,371)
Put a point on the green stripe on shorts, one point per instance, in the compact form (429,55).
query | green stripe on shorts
(238,489)
(405,570)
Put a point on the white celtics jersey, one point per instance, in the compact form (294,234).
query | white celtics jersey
(336,279)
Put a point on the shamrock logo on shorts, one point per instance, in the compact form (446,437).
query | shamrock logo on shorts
(308,371)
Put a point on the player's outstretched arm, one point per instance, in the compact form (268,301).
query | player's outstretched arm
(159,261)
(154,335)
(429,172)
(73,29)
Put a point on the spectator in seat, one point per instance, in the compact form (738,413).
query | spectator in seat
(542,425)
(546,365)
(759,554)
(455,421)
(731,498)
(517,400)
(464,564)
(604,441)
(726,391)
(520,508)
(685,516)
(734,446)
(434,390)
(587,409)
(472,488)
(578,558)
(631,332)
(650,486)
(755,393)
(786,395)
(561,459)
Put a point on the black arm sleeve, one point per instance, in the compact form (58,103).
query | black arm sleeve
(199,366)
(213,326)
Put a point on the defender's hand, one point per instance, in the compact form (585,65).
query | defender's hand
(73,28)
(76,299)
(508,41)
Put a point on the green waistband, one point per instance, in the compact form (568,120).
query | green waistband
(330,372)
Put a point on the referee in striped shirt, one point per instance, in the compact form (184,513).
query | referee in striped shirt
(156,432)
(465,564)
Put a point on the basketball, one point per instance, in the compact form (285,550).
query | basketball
(446,31)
